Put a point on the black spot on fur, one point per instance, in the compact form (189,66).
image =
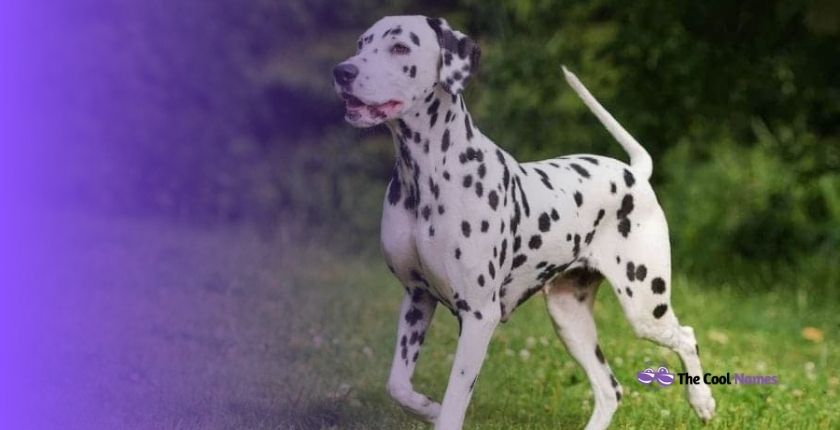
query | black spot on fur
(503,253)
(544,179)
(417,295)
(589,159)
(631,271)
(414,38)
(413,315)
(435,23)
(433,108)
(535,242)
(624,227)
(554,215)
(465,228)
(581,171)
(444,143)
(527,294)
(641,272)
(623,212)
(478,316)
(598,219)
(660,310)
(467,181)
(657,285)
(612,187)
(480,280)
(628,178)
(457,253)
(629,292)
(626,206)
(578,198)
(600,354)
(484,225)
(524,198)
(493,199)
(544,222)
(518,260)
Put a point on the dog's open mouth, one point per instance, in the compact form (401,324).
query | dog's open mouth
(356,108)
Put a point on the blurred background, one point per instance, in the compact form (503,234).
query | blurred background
(223,112)
(206,135)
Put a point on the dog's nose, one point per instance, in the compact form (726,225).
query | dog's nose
(345,73)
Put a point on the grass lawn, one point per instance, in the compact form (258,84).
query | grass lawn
(219,329)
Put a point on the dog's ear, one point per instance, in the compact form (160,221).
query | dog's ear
(459,56)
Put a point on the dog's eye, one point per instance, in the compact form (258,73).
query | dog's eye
(400,49)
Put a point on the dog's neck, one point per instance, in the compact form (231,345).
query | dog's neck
(432,138)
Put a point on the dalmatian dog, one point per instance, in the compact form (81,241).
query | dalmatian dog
(467,226)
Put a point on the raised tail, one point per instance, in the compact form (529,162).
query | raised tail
(640,160)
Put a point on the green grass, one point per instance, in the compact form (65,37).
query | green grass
(220,329)
(530,382)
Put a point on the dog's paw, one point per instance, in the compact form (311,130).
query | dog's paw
(700,397)
(428,412)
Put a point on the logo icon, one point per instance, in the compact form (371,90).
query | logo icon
(661,376)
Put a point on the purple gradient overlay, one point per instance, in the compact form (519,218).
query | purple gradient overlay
(75,122)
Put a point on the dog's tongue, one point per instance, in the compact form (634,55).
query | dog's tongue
(356,108)
(381,110)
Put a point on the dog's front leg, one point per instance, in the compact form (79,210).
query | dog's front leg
(477,328)
(416,312)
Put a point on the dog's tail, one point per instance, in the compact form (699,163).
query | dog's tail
(640,160)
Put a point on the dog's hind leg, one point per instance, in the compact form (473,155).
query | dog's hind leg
(639,268)
(418,307)
(569,299)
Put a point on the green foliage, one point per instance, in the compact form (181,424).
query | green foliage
(738,102)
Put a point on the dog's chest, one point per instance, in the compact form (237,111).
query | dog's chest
(450,233)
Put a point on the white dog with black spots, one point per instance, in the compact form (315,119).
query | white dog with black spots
(467,226)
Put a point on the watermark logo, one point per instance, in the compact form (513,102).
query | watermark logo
(661,376)
(665,378)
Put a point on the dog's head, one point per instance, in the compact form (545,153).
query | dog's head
(398,62)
